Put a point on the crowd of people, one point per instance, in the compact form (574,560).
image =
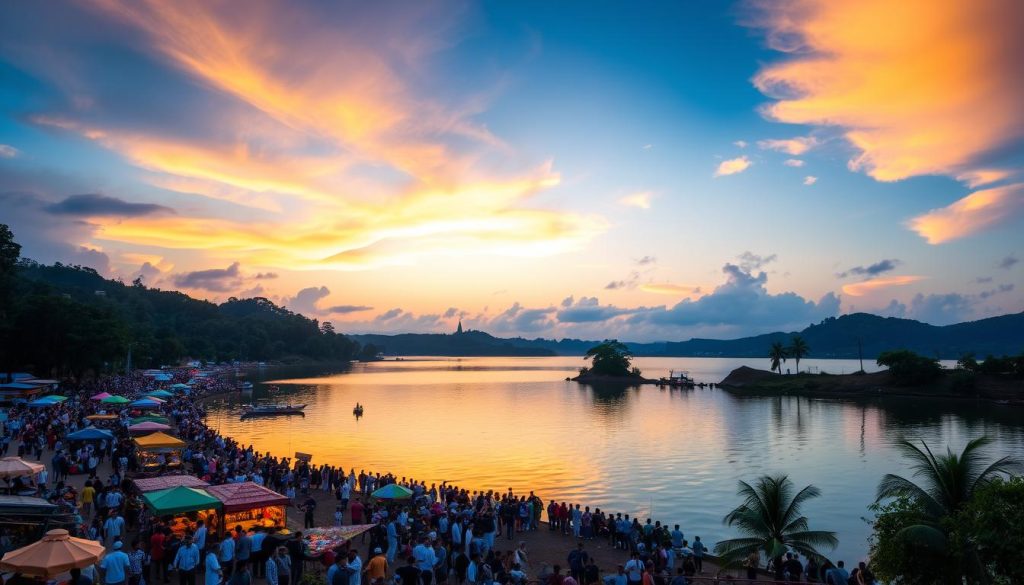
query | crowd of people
(442,534)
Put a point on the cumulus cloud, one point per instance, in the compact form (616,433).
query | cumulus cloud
(1008,262)
(794,146)
(8,151)
(871,270)
(740,143)
(941,309)
(1003,288)
(741,303)
(93,205)
(750,261)
(213,279)
(640,200)
(976,212)
(732,166)
(793,162)
(589,310)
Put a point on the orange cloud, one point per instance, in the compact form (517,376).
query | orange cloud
(920,87)
(732,166)
(974,213)
(858,289)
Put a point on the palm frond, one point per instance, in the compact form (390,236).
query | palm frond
(926,537)
(894,486)
(798,500)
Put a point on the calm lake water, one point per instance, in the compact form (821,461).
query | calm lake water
(494,423)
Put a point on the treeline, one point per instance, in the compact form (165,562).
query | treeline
(65,320)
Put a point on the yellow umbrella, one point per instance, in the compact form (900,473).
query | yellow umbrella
(56,553)
(18,467)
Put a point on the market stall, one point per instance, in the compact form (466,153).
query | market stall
(321,540)
(249,505)
(145,403)
(392,491)
(159,450)
(153,484)
(147,427)
(182,507)
(91,434)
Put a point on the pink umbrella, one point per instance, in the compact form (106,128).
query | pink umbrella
(101,396)
(148,427)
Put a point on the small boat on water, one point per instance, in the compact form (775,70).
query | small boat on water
(358,410)
(273,410)
(677,379)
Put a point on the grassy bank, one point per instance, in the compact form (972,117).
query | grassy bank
(948,384)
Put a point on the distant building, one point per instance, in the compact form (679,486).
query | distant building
(459,330)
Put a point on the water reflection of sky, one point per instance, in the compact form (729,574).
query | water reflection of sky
(495,423)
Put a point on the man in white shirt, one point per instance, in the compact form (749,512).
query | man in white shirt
(355,564)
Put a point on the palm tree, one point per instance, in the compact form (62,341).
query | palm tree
(797,349)
(770,518)
(778,356)
(948,482)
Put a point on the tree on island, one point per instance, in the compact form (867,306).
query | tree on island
(924,534)
(798,349)
(778,356)
(771,521)
(612,359)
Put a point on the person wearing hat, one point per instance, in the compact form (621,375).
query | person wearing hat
(376,570)
(186,560)
(116,566)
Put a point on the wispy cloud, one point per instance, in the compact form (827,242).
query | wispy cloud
(793,162)
(93,205)
(871,270)
(641,200)
(974,213)
(794,146)
(740,144)
(8,151)
(857,289)
(671,289)
(732,166)
(810,180)
(1008,262)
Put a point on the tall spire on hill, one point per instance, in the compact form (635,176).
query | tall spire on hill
(459,330)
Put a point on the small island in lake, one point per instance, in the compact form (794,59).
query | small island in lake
(610,363)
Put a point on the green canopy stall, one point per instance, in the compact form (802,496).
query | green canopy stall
(183,507)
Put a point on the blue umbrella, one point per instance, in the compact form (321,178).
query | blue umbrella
(144,403)
(90,434)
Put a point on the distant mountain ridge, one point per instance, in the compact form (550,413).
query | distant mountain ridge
(835,337)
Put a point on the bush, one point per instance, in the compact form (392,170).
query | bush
(909,368)
(962,382)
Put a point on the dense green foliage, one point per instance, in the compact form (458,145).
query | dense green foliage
(995,521)
(909,368)
(770,520)
(929,531)
(611,358)
(69,321)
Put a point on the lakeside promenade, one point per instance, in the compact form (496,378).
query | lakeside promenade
(544,547)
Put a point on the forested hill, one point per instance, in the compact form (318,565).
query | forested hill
(69,320)
(835,337)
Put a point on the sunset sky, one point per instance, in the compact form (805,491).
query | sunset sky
(645,171)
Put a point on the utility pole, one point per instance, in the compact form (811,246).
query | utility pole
(128,362)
